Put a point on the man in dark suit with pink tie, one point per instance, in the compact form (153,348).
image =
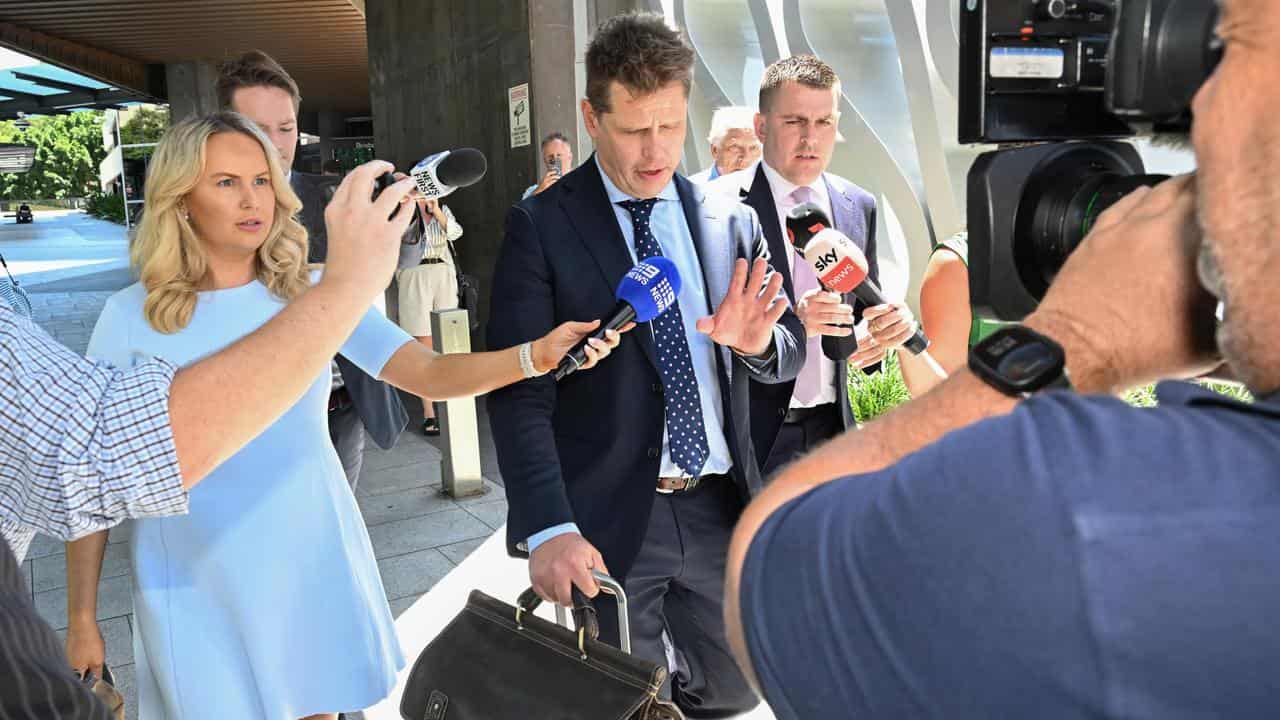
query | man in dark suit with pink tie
(798,125)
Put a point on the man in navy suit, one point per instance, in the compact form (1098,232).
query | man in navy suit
(641,468)
(798,125)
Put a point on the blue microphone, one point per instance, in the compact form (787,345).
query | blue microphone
(646,291)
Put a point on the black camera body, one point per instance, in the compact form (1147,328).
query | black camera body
(1074,77)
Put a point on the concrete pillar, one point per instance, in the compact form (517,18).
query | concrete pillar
(330,125)
(460,473)
(552,85)
(439,73)
(191,88)
(438,79)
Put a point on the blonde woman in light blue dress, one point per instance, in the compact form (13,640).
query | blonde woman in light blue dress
(264,603)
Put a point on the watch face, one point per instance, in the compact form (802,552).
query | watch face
(1019,359)
(1026,363)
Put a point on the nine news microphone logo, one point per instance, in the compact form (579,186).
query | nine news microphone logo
(644,273)
(663,294)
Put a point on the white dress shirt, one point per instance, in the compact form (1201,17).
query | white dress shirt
(782,189)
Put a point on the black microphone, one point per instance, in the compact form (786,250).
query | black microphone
(444,172)
(803,222)
(646,291)
(440,174)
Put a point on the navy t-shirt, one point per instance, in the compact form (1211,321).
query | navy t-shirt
(1077,558)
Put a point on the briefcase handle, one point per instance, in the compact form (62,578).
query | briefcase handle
(584,612)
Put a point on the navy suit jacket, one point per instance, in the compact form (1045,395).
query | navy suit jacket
(854,214)
(377,403)
(588,449)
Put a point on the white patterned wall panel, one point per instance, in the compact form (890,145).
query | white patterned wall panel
(898,103)
(898,60)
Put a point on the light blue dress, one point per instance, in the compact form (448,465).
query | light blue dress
(265,601)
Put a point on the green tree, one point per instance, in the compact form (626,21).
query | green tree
(68,151)
(146,125)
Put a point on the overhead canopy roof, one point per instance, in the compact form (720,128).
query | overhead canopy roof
(47,90)
(126,44)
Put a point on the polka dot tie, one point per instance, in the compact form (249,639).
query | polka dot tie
(686,433)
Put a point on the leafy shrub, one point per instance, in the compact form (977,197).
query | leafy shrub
(873,395)
(106,206)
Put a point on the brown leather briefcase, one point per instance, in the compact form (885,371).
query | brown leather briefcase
(496,661)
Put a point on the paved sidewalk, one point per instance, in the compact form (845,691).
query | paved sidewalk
(63,245)
(418,535)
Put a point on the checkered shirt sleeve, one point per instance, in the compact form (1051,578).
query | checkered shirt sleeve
(83,445)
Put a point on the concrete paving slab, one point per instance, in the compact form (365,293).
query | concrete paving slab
(493,514)
(458,552)
(428,531)
(412,574)
(115,600)
(50,572)
(380,509)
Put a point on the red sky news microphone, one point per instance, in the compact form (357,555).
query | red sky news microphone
(803,222)
(841,267)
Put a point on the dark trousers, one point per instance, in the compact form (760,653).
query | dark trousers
(346,430)
(797,438)
(677,586)
(35,678)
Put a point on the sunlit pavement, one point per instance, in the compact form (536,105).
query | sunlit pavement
(62,245)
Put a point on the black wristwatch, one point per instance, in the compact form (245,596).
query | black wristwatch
(1019,361)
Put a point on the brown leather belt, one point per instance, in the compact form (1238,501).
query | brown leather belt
(667,485)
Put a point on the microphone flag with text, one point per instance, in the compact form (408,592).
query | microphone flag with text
(841,267)
(645,292)
(440,174)
(839,264)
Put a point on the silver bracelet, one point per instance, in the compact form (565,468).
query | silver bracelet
(526,361)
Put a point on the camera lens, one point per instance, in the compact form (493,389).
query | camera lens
(1061,203)
(1188,49)
(1162,52)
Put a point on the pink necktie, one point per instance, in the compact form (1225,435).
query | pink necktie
(809,381)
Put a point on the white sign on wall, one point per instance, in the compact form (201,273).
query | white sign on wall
(518,106)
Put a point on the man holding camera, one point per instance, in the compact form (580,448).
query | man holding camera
(975,554)
(557,156)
